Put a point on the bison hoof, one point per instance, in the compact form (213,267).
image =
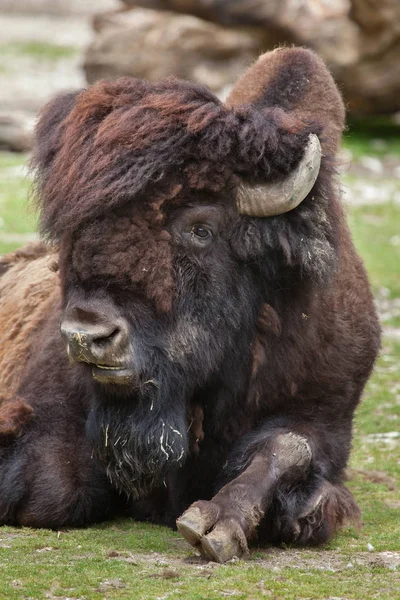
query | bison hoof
(216,538)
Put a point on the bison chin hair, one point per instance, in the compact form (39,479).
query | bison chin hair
(139,443)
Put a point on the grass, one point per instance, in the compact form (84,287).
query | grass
(376,137)
(17,220)
(36,50)
(130,560)
(125,559)
(376,231)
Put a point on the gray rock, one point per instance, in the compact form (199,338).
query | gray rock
(154,44)
(15,133)
(359,39)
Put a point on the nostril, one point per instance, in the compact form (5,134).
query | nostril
(106,340)
(101,341)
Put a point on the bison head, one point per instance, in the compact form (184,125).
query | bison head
(178,218)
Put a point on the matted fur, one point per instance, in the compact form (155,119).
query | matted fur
(129,146)
(120,137)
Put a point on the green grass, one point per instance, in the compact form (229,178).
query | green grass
(37,50)
(376,230)
(125,559)
(362,135)
(16,217)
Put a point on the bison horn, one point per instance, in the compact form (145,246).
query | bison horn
(270,199)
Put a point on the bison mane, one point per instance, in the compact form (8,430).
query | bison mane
(121,137)
(130,148)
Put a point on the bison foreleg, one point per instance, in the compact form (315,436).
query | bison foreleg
(221,527)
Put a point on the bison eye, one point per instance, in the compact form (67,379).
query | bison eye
(201,232)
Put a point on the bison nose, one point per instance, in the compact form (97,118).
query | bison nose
(93,338)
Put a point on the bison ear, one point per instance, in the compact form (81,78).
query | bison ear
(297,81)
(48,133)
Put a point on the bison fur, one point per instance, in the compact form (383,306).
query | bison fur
(215,359)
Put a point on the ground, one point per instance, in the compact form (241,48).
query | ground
(125,559)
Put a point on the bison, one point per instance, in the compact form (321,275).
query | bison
(218,321)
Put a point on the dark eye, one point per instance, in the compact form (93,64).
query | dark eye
(200,231)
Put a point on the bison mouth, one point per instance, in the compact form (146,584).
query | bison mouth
(112,374)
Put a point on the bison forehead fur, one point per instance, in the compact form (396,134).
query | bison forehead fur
(214,356)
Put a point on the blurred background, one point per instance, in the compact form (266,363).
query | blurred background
(48,46)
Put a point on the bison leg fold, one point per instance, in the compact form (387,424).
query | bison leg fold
(221,527)
(49,479)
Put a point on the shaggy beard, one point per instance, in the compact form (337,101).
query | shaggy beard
(139,444)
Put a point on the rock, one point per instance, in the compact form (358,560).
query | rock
(321,24)
(220,11)
(359,39)
(154,44)
(15,133)
(372,82)
(248,12)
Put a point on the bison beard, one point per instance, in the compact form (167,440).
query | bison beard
(209,288)
(139,444)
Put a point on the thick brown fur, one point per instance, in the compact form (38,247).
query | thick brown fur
(239,342)
(125,141)
(26,285)
(14,415)
(267,84)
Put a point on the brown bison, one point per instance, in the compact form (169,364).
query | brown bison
(218,322)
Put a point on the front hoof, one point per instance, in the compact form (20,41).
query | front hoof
(217,539)
(225,541)
(197,520)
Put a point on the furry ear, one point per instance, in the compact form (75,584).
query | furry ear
(297,81)
(48,131)
(48,135)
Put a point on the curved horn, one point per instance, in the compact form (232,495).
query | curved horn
(270,199)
